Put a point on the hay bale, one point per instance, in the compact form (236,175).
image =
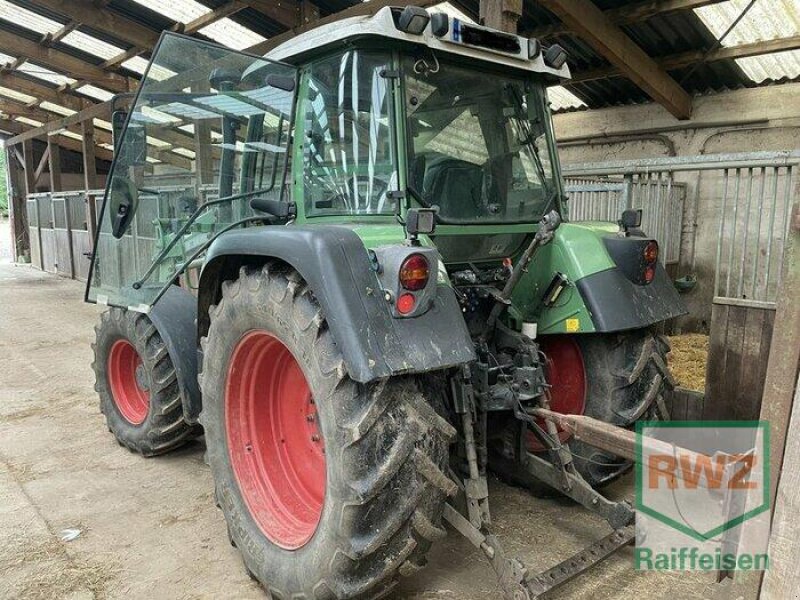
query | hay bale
(688,359)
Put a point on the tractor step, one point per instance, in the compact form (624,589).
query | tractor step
(577,564)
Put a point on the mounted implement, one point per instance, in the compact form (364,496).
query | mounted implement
(367,292)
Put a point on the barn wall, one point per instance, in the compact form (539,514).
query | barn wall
(749,120)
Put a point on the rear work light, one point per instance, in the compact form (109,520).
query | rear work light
(414,273)
(650,256)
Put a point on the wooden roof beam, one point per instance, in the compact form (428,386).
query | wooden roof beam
(627,15)
(61,62)
(190,28)
(49,39)
(101,111)
(593,26)
(16,109)
(102,19)
(285,12)
(43,92)
(685,59)
(16,128)
(226,10)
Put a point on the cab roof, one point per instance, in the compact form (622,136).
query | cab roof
(384,24)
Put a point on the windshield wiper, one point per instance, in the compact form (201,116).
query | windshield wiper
(529,140)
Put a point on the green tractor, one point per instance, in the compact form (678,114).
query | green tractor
(357,278)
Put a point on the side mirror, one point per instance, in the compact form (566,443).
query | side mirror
(122,201)
(631,219)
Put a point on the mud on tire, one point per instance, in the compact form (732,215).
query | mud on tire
(153,422)
(627,377)
(386,452)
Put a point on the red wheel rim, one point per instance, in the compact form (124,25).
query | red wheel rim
(126,378)
(565,372)
(275,445)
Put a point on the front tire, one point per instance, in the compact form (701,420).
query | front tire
(137,384)
(330,507)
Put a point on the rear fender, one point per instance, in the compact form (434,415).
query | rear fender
(335,264)
(174,318)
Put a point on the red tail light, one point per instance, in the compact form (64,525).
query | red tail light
(651,252)
(406,303)
(414,272)
(649,274)
(650,255)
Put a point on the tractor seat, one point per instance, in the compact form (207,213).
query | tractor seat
(455,186)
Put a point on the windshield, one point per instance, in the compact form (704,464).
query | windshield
(348,158)
(478,144)
(208,131)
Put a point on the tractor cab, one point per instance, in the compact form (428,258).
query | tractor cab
(395,111)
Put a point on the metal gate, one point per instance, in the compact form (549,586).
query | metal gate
(46,232)
(61,235)
(753,228)
(748,196)
(660,199)
(33,232)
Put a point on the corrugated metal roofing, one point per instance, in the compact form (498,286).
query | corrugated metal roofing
(672,33)
(663,35)
(766,20)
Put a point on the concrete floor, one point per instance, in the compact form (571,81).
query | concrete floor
(149,528)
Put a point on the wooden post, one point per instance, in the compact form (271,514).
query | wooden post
(784,357)
(783,578)
(309,12)
(780,407)
(89,176)
(55,164)
(30,168)
(30,188)
(204,159)
(501,14)
(17,206)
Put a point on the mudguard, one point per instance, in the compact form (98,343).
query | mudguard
(618,304)
(174,318)
(334,263)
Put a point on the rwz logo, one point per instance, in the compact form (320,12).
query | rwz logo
(691,468)
(697,483)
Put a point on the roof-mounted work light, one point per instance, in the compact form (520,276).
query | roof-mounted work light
(413,20)
(555,56)
(440,24)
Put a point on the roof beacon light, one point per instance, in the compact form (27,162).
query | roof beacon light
(413,20)
(555,56)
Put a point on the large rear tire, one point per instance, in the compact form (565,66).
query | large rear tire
(625,376)
(137,384)
(330,489)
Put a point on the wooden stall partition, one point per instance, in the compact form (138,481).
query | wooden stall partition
(783,578)
(738,353)
(684,404)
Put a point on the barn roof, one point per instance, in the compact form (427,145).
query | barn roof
(62,56)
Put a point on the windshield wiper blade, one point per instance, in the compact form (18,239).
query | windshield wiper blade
(530,140)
